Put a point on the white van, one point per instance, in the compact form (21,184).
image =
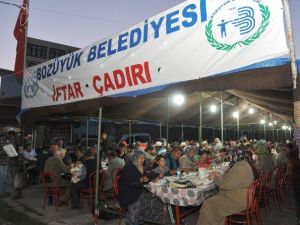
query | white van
(135,137)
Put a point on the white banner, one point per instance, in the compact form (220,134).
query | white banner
(195,39)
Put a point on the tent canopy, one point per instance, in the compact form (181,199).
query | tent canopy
(266,86)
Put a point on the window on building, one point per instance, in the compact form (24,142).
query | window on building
(54,53)
(31,63)
(37,51)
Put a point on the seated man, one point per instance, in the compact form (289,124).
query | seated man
(30,157)
(172,160)
(55,164)
(89,165)
(114,163)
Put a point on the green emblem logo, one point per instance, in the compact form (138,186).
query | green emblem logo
(31,87)
(236,24)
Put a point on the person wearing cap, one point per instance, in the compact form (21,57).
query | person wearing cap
(187,162)
(160,148)
(151,152)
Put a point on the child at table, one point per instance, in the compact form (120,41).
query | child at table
(160,167)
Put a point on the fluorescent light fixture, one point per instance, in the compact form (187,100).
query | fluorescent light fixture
(178,99)
(251,110)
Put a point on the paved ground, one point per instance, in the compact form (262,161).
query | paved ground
(28,211)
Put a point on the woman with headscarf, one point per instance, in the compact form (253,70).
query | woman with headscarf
(264,159)
(187,163)
(140,203)
(232,197)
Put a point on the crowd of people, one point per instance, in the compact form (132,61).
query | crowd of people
(140,165)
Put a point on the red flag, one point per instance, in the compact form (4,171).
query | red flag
(20,35)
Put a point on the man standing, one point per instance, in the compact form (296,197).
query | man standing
(106,146)
(3,165)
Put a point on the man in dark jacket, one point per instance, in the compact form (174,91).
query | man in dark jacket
(88,167)
(106,146)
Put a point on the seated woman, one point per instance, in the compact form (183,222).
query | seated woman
(233,186)
(140,203)
(160,167)
(187,163)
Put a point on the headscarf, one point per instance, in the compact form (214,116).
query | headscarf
(262,151)
(136,155)
(189,148)
(239,153)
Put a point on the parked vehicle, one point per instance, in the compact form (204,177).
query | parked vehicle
(144,138)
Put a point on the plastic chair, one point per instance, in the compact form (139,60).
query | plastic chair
(52,188)
(246,216)
(89,193)
(280,173)
(121,210)
(266,189)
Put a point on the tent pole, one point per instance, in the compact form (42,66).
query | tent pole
(167,123)
(293,57)
(129,132)
(160,126)
(288,21)
(238,119)
(200,118)
(222,122)
(87,133)
(98,166)
(34,138)
(71,133)
(182,134)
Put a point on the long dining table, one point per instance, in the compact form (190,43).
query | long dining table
(180,196)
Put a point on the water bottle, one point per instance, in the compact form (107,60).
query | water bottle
(214,165)
(178,172)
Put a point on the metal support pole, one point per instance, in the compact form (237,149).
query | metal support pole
(273,135)
(200,118)
(98,167)
(129,132)
(167,122)
(288,21)
(182,134)
(71,133)
(87,133)
(222,122)
(238,119)
(160,127)
(265,133)
(34,138)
